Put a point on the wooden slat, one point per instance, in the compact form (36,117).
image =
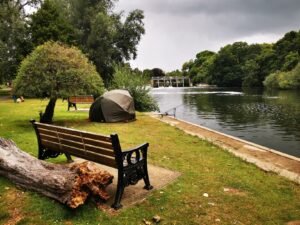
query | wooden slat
(96,137)
(47,132)
(109,161)
(85,134)
(94,145)
(106,145)
(49,138)
(70,137)
(52,145)
(45,126)
(101,151)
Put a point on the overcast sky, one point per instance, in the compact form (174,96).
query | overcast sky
(178,29)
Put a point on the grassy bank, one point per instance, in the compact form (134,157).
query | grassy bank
(251,197)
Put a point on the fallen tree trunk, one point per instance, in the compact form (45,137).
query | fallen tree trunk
(68,185)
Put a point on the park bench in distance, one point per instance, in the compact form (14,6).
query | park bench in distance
(82,99)
(131,164)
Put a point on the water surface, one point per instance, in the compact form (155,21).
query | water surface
(268,118)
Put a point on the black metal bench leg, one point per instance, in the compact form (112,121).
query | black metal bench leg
(119,193)
(40,153)
(69,158)
(148,186)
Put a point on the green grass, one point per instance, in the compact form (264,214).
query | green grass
(266,197)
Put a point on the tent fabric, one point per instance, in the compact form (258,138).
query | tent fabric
(113,106)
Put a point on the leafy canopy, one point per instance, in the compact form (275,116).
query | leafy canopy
(137,85)
(55,70)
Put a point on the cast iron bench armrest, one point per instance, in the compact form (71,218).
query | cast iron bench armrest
(136,154)
(141,147)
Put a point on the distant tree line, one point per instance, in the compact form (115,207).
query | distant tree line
(240,64)
(104,36)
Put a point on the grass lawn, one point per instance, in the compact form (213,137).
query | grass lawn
(256,197)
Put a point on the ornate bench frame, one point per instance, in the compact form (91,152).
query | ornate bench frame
(131,164)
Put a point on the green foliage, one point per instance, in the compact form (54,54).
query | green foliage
(271,80)
(137,85)
(284,80)
(290,61)
(174,73)
(290,43)
(198,69)
(48,23)
(157,72)
(14,41)
(55,70)
(228,68)
(240,64)
(103,35)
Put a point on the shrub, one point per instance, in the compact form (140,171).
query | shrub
(284,80)
(136,84)
(55,70)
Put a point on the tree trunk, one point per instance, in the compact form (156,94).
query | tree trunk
(70,185)
(47,116)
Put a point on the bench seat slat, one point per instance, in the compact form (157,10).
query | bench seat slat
(47,132)
(109,161)
(79,145)
(97,143)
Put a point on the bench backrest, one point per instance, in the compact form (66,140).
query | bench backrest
(81,99)
(94,147)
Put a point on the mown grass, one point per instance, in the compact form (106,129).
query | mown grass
(262,198)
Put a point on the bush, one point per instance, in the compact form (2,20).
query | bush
(136,84)
(56,70)
(271,81)
(284,80)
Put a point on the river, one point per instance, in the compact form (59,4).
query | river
(268,118)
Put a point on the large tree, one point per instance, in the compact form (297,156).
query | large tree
(48,23)
(54,70)
(104,35)
(14,38)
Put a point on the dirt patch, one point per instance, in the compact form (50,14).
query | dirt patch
(296,222)
(15,200)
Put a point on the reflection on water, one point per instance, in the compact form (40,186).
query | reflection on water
(267,118)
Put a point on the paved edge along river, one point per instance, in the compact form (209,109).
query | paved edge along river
(271,119)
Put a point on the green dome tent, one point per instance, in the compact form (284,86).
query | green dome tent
(113,106)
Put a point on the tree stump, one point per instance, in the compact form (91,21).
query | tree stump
(70,185)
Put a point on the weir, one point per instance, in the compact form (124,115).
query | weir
(167,81)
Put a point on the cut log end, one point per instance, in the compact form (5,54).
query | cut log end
(68,185)
(90,181)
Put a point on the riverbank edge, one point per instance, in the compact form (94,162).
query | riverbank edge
(265,158)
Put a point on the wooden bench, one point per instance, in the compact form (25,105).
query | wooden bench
(82,99)
(131,164)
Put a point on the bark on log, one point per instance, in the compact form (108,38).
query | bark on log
(68,185)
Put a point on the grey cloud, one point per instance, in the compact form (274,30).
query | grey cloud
(177,29)
(187,7)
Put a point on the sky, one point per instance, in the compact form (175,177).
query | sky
(176,30)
